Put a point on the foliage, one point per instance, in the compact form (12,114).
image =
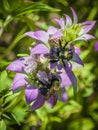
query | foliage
(78,113)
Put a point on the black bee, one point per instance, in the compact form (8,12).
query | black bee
(61,53)
(47,84)
(66,51)
(68,54)
(54,53)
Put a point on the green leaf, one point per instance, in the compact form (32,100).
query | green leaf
(64,2)
(8,19)
(4,63)
(6,116)
(30,7)
(84,54)
(81,124)
(15,118)
(14,103)
(56,119)
(22,55)
(19,113)
(2,125)
(6,5)
(4,81)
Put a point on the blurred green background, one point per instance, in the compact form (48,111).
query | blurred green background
(19,16)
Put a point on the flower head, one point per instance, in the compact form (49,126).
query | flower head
(24,65)
(72,30)
(48,69)
(45,37)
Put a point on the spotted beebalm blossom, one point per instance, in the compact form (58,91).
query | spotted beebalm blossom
(47,90)
(59,56)
(39,86)
(49,68)
(43,88)
(72,30)
(45,37)
(24,67)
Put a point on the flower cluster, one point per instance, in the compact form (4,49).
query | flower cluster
(49,68)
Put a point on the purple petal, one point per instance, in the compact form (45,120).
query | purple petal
(59,66)
(42,74)
(71,75)
(68,20)
(30,34)
(64,97)
(77,59)
(85,37)
(87,28)
(56,64)
(40,49)
(65,81)
(87,23)
(42,36)
(80,38)
(20,80)
(39,35)
(31,93)
(88,36)
(53,100)
(75,18)
(61,23)
(16,66)
(57,35)
(77,50)
(96,46)
(38,103)
(53,65)
(51,30)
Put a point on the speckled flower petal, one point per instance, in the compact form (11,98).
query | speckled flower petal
(20,80)
(40,49)
(77,59)
(16,66)
(31,93)
(61,23)
(38,103)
